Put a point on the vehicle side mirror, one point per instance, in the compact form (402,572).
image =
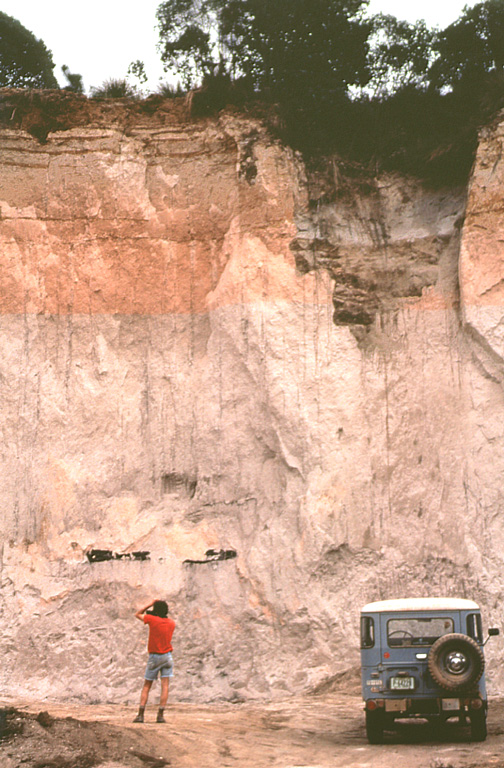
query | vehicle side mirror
(492,631)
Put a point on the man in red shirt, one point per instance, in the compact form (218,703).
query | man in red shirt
(160,654)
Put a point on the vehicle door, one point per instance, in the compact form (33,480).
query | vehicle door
(406,639)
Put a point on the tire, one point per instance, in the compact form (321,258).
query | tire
(478,726)
(456,662)
(374,727)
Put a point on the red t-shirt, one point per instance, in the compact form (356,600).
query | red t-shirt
(160,633)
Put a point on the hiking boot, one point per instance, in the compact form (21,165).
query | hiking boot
(160,718)
(138,719)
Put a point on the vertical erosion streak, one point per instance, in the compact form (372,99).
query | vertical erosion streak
(23,440)
(387,441)
(193,308)
(147,394)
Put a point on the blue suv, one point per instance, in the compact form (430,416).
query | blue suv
(423,658)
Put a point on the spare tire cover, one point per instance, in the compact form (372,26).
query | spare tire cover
(456,662)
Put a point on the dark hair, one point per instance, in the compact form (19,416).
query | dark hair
(160,608)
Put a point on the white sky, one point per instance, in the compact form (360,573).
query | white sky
(98,39)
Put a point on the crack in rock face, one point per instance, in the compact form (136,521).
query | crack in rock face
(104,555)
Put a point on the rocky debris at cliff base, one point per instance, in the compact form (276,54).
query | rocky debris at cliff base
(323,731)
(44,741)
(41,741)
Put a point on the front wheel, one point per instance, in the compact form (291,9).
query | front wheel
(478,726)
(374,727)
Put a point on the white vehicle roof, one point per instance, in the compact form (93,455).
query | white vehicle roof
(421,604)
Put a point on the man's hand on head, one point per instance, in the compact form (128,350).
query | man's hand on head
(140,613)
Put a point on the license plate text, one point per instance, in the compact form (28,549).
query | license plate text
(402,683)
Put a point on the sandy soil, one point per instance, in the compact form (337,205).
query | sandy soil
(308,732)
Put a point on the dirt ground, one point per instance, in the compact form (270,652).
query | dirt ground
(308,732)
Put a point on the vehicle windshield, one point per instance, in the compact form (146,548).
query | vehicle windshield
(407,630)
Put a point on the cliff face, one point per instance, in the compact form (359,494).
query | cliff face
(286,397)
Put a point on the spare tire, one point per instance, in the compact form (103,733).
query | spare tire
(456,662)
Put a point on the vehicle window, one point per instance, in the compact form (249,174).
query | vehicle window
(474,628)
(367,632)
(406,630)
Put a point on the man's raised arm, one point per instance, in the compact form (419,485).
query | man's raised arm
(140,613)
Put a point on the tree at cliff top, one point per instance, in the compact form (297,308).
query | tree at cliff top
(25,62)
(288,45)
(301,54)
(73,79)
(470,49)
(429,92)
(400,55)
(377,90)
(298,47)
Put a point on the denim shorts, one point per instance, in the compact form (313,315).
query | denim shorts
(159,663)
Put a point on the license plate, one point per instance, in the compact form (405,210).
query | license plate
(402,683)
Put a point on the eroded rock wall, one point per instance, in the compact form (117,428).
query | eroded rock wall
(201,352)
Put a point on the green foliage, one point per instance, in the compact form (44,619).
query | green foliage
(25,62)
(186,31)
(74,81)
(169,91)
(297,47)
(218,91)
(417,132)
(286,44)
(310,49)
(304,55)
(137,69)
(491,95)
(377,90)
(114,89)
(470,48)
(400,55)
(300,54)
